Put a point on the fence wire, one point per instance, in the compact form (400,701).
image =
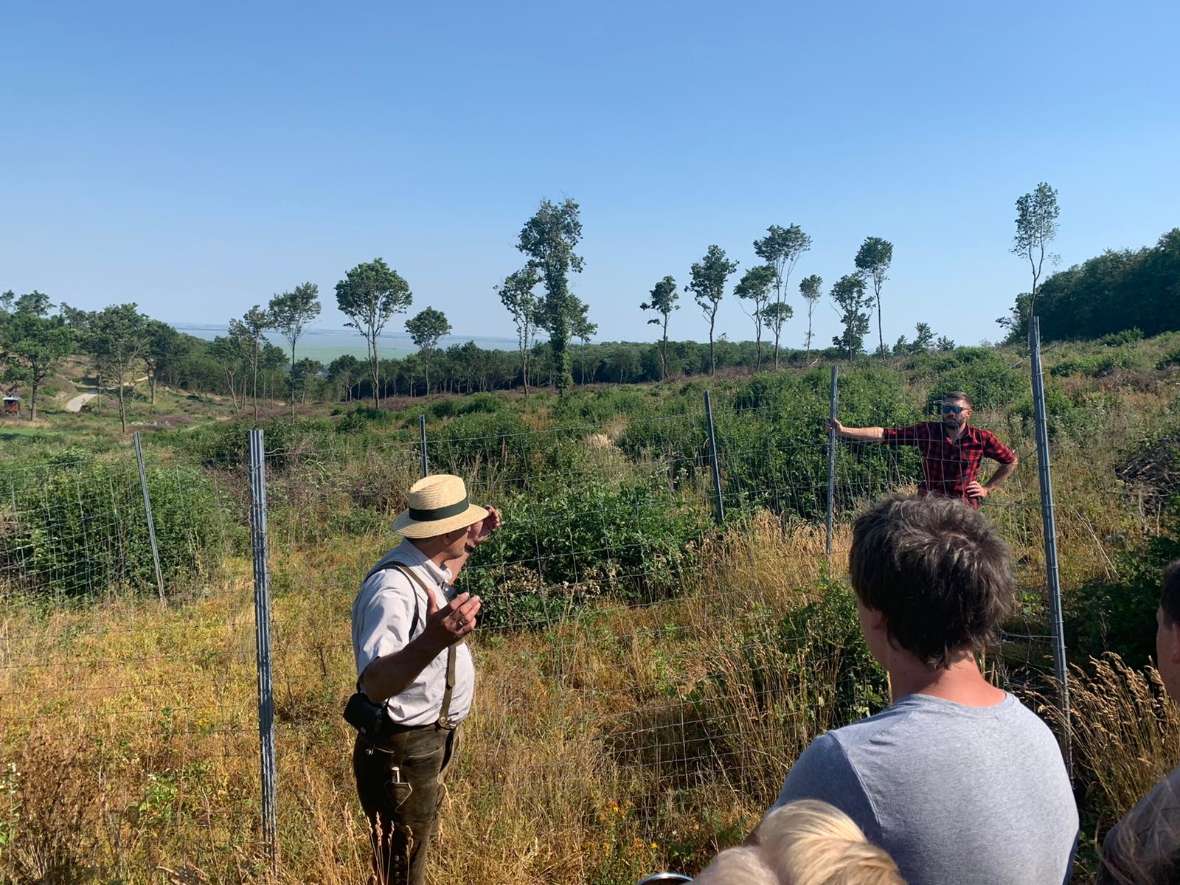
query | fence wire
(689,675)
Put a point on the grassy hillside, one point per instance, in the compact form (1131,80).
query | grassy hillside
(645,677)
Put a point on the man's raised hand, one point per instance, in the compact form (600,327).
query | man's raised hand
(834,424)
(479,532)
(447,625)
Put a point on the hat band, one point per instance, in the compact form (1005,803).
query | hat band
(439,512)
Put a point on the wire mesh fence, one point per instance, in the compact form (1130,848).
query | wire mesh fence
(700,655)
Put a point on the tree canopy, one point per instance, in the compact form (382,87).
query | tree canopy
(369,295)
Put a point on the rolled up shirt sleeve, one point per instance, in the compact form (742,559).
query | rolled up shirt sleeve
(384,626)
(996,450)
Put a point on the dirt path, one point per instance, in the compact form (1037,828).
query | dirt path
(76,404)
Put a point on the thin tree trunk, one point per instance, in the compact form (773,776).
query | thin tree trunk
(293,380)
(33,401)
(122,406)
(664,352)
(712,357)
(880,336)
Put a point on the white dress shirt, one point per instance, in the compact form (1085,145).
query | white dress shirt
(381,618)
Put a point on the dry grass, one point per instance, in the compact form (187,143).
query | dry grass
(605,747)
(130,750)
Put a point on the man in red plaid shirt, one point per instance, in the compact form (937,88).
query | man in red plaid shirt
(951,451)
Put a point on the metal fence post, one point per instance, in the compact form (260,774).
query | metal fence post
(266,733)
(422,436)
(1048,520)
(147,509)
(833,395)
(720,508)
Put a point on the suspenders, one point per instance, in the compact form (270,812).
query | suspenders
(444,714)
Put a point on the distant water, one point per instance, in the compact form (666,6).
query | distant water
(327,344)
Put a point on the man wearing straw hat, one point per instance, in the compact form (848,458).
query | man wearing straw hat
(416,677)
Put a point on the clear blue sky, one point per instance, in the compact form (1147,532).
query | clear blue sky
(196,158)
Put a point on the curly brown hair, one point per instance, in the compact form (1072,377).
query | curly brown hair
(937,571)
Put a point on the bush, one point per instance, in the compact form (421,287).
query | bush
(482,441)
(1168,360)
(981,373)
(563,547)
(362,418)
(1118,339)
(80,530)
(227,445)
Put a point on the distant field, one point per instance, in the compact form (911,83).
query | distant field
(327,344)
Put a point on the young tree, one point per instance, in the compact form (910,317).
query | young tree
(1036,227)
(163,347)
(251,329)
(517,296)
(305,372)
(853,303)
(811,288)
(755,286)
(781,248)
(923,338)
(343,371)
(118,336)
(231,352)
(872,259)
(290,313)
(272,363)
(425,329)
(662,300)
(582,329)
(707,283)
(33,343)
(944,344)
(369,295)
(548,239)
(775,316)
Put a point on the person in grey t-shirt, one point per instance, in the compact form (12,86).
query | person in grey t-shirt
(957,780)
(1144,846)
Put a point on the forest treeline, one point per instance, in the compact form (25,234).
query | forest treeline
(1112,292)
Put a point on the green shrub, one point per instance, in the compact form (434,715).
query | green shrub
(363,418)
(80,529)
(227,445)
(561,547)
(483,441)
(983,374)
(1118,339)
(596,407)
(1097,366)
(1168,360)
(815,653)
(1065,417)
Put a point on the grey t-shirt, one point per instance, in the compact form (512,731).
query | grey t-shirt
(955,794)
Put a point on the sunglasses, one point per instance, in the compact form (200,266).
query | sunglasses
(951,410)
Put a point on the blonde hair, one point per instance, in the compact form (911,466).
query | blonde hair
(737,866)
(813,843)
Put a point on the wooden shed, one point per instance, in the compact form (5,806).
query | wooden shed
(12,405)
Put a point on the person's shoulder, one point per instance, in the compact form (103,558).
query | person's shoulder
(386,579)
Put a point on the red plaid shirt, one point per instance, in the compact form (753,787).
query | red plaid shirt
(949,465)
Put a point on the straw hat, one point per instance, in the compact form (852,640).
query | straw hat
(438,504)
